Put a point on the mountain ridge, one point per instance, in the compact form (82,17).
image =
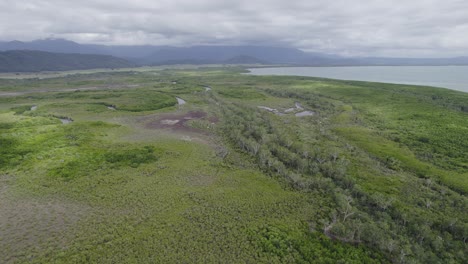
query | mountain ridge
(35,61)
(204,54)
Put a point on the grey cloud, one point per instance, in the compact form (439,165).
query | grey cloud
(372,27)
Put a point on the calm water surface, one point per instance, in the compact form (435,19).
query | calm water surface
(452,77)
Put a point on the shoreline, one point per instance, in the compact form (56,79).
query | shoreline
(376,73)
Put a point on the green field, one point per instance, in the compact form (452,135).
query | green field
(378,173)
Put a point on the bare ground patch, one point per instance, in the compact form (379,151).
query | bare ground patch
(177,122)
(195,126)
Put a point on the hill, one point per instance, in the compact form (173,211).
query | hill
(206,54)
(33,61)
(243,59)
(159,55)
(219,54)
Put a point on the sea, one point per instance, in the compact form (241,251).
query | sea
(451,77)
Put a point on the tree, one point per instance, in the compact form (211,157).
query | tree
(344,205)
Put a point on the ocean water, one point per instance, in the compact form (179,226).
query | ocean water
(452,77)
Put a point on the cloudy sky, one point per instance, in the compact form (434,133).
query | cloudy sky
(411,28)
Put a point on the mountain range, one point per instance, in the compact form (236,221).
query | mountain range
(158,55)
(247,54)
(35,61)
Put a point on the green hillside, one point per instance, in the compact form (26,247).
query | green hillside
(35,61)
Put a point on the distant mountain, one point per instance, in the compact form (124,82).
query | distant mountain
(51,45)
(159,55)
(219,54)
(156,55)
(243,59)
(66,46)
(33,61)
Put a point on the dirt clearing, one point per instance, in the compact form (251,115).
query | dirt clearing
(177,122)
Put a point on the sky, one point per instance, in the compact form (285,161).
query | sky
(392,28)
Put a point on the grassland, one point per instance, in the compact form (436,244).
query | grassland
(378,174)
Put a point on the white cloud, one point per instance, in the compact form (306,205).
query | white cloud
(372,27)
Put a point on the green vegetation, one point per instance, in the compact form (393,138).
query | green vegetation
(377,175)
